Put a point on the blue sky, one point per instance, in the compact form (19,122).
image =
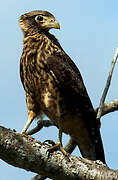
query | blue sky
(89,34)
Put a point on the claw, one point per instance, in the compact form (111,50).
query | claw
(57,146)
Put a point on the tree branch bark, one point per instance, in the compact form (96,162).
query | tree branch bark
(25,152)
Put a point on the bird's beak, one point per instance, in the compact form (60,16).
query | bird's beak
(56,25)
(53,24)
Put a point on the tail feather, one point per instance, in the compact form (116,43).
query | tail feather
(94,150)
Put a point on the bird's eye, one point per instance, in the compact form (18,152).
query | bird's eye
(39,18)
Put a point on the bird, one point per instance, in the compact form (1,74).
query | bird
(54,86)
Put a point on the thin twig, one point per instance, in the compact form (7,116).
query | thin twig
(107,85)
(41,123)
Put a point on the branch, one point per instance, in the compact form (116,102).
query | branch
(41,123)
(109,107)
(25,152)
(107,85)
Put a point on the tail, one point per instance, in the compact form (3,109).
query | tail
(93,150)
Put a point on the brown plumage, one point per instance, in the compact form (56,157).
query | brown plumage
(54,85)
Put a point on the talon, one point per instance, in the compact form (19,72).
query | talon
(57,147)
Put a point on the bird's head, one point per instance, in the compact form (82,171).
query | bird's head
(38,21)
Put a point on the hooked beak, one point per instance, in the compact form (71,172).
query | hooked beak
(56,25)
(52,24)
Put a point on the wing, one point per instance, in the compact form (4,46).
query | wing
(69,80)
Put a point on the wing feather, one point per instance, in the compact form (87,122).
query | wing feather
(70,82)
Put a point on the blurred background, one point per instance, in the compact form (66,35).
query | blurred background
(89,34)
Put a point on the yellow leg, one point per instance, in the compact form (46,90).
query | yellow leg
(58,145)
(26,126)
(31,116)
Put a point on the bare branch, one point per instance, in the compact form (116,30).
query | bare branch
(25,152)
(41,123)
(107,85)
(109,107)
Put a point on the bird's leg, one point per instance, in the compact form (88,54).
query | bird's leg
(31,116)
(58,145)
(26,126)
(60,136)
(59,142)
